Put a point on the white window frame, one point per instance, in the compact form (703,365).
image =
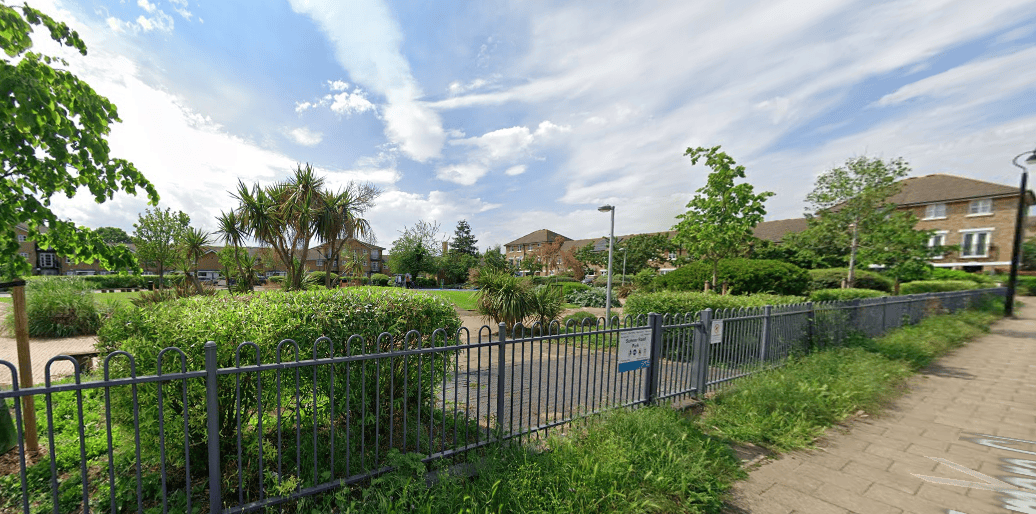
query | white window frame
(320,263)
(47,260)
(938,239)
(974,233)
(21,238)
(981,207)
(24,254)
(932,211)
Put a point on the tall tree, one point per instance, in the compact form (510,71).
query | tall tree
(645,251)
(54,127)
(570,261)
(549,255)
(416,249)
(849,204)
(156,234)
(113,235)
(720,218)
(463,240)
(283,216)
(234,258)
(339,220)
(191,245)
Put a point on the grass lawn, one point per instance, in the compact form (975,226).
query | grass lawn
(462,299)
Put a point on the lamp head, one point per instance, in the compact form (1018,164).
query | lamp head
(1031,160)
(606,208)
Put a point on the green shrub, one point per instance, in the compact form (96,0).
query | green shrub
(119,281)
(317,278)
(936,286)
(841,295)
(602,280)
(591,297)
(920,344)
(547,304)
(743,276)
(578,318)
(831,278)
(682,302)
(541,280)
(266,319)
(502,297)
(380,279)
(645,277)
(425,282)
(956,274)
(568,287)
(59,307)
(276,279)
(789,407)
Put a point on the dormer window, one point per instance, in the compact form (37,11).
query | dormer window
(935,211)
(980,207)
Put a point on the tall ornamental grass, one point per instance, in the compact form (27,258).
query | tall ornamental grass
(59,307)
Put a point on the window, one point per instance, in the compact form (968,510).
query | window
(935,211)
(672,256)
(46,260)
(980,207)
(975,243)
(23,254)
(21,238)
(938,239)
(375,254)
(320,263)
(68,260)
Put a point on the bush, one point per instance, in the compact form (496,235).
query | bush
(59,307)
(682,302)
(119,281)
(425,282)
(540,280)
(276,279)
(380,279)
(831,278)
(502,297)
(936,286)
(568,287)
(956,274)
(266,319)
(920,344)
(743,276)
(602,280)
(841,295)
(317,278)
(591,297)
(578,318)
(546,304)
(645,277)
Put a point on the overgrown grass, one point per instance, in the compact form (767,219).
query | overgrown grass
(789,407)
(649,460)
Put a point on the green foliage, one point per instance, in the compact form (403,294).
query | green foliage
(936,286)
(671,302)
(787,408)
(953,274)
(547,304)
(463,241)
(416,249)
(113,235)
(59,307)
(602,280)
(719,219)
(643,252)
(568,287)
(1028,261)
(831,278)
(115,281)
(155,235)
(743,276)
(54,127)
(841,295)
(918,345)
(338,221)
(266,319)
(645,278)
(578,318)
(276,279)
(502,298)
(591,297)
(380,279)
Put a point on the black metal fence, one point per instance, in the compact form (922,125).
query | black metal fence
(248,434)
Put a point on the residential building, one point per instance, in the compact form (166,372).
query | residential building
(527,246)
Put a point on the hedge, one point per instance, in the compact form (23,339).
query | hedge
(936,286)
(743,276)
(682,302)
(831,278)
(841,295)
(602,280)
(266,319)
(568,287)
(956,274)
(381,279)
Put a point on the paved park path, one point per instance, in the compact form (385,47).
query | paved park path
(974,409)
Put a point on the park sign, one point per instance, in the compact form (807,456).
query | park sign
(634,350)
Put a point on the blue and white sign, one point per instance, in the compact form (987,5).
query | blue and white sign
(634,350)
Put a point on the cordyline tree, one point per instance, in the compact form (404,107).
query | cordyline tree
(53,128)
(339,220)
(719,219)
(850,208)
(289,216)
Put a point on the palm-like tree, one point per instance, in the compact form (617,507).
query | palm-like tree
(339,220)
(233,232)
(192,245)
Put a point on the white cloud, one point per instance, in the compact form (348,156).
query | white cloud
(351,103)
(396,209)
(337,85)
(465,174)
(1015,73)
(147,6)
(367,41)
(503,146)
(457,88)
(515,170)
(305,136)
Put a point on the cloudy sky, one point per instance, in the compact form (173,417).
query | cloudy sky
(522,115)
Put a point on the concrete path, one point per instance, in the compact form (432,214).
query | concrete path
(974,411)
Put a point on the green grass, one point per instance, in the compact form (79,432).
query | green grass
(462,299)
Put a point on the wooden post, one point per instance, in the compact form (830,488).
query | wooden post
(21,335)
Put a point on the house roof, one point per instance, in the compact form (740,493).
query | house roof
(947,188)
(540,236)
(776,230)
(601,243)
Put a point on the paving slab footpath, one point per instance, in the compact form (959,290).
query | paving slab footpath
(963,440)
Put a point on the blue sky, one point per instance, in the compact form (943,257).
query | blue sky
(524,115)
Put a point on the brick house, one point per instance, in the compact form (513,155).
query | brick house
(972,220)
(528,245)
(372,257)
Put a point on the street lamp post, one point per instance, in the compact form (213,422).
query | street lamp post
(1016,250)
(611,250)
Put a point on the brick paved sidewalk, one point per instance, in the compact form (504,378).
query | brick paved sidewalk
(987,387)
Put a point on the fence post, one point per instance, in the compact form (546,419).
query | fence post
(655,322)
(501,371)
(700,367)
(854,316)
(765,337)
(212,413)
(884,313)
(811,319)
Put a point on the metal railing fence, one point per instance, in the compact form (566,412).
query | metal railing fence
(240,435)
